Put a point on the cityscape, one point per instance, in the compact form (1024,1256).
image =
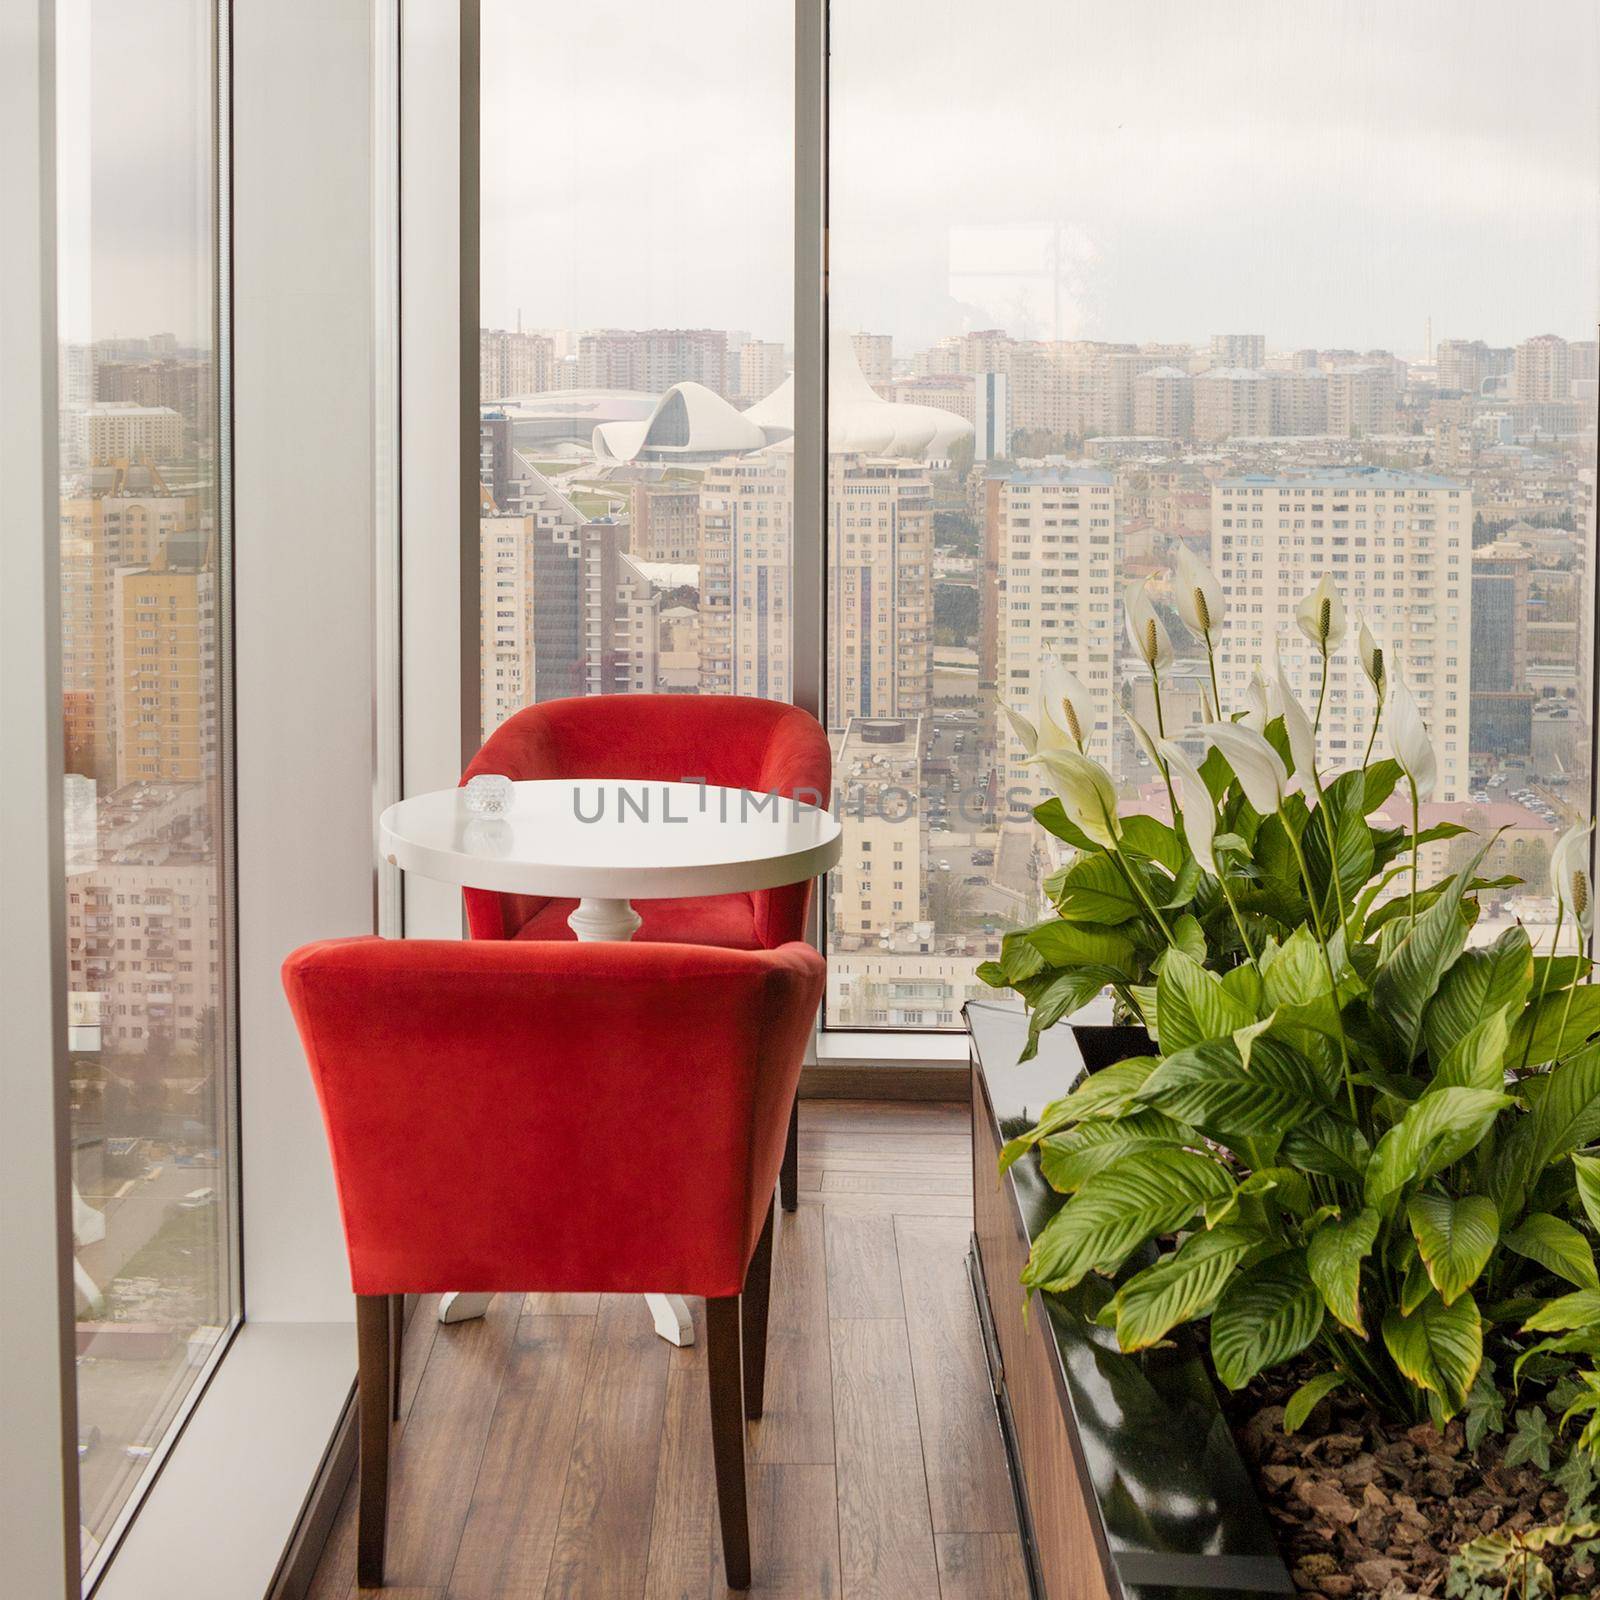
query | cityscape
(989,499)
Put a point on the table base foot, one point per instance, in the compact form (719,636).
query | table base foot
(461,1306)
(672,1319)
(604,921)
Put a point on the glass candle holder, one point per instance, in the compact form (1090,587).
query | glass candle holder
(489,795)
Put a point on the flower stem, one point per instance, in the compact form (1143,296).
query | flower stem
(1132,880)
(1372,738)
(1416,849)
(1327,962)
(1216,693)
(1238,921)
(1322,693)
(1333,858)
(1544,983)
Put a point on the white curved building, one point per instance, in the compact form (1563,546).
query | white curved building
(690,423)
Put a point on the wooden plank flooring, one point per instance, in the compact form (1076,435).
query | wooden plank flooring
(558,1450)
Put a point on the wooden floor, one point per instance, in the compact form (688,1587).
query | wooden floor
(558,1448)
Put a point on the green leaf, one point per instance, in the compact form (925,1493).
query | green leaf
(1531,1439)
(1568,1311)
(1297,973)
(1245,984)
(1107,1093)
(1267,1314)
(1455,1239)
(1179,1287)
(1061,997)
(1334,1255)
(1093,889)
(1076,944)
(990,973)
(1068,1160)
(1193,1006)
(1436,1130)
(1586,1169)
(1208,1087)
(1438,1347)
(1052,817)
(1558,1246)
(1408,980)
(1564,1118)
(1477,1059)
(1342,805)
(1550,1029)
(1381,777)
(1486,1406)
(1190,938)
(1304,1400)
(1116,1210)
(1330,1145)
(1155,840)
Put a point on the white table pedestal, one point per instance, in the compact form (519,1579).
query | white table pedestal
(594,922)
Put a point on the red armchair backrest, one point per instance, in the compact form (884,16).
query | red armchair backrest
(520,1116)
(729,740)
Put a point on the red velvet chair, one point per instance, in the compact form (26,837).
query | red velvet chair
(533,1115)
(727,740)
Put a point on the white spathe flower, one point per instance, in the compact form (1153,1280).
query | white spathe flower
(1569,875)
(1146,631)
(1258,767)
(1321,617)
(1027,734)
(1198,594)
(1065,709)
(1260,701)
(1147,740)
(1408,739)
(1199,811)
(1086,791)
(1302,736)
(1372,662)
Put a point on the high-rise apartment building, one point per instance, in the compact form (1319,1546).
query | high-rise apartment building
(1361,400)
(991,416)
(117,518)
(1163,403)
(1543,370)
(513,363)
(123,430)
(1502,702)
(1462,364)
(746,573)
(878,883)
(1398,545)
(164,668)
(1055,535)
(563,609)
(651,360)
(879,588)
(665,522)
(875,356)
(1232,403)
(763,365)
(1238,350)
(1298,405)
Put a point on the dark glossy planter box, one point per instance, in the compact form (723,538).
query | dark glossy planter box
(1128,1482)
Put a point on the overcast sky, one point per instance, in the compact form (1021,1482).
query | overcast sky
(1325,172)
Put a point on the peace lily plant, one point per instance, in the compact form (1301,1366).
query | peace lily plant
(1363,1139)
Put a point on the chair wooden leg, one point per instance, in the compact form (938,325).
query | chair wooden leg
(397,1328)
(753,1305)
(372,1403)
(789,1172)
(727,1436)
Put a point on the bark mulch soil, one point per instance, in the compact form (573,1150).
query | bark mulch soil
(1371,1511)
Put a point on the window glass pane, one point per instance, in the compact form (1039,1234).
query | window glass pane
(143,597)
(1198,277)
(636,299)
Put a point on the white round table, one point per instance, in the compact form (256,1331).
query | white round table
(605,843)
